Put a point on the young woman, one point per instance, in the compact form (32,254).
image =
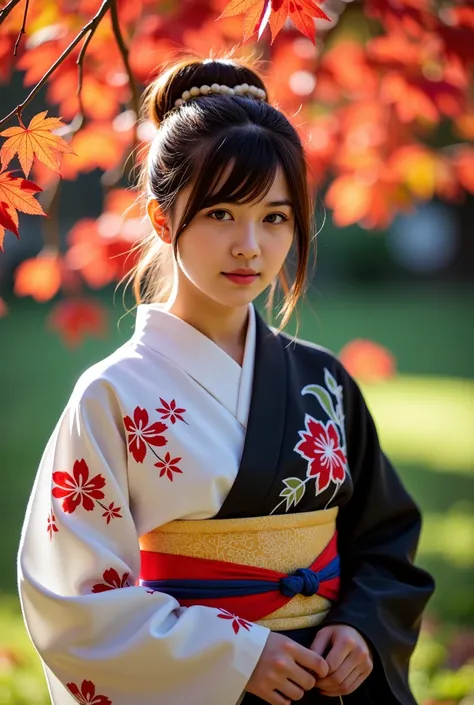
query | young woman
(213,520)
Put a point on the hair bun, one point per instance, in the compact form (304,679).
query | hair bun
(162,94)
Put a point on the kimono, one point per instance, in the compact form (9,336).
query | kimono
(169,431)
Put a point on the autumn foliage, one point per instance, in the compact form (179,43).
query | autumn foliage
(381,94)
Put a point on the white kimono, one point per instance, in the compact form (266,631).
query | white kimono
(152,434)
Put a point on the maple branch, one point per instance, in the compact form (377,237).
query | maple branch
(80,67)
(7,9)
(23,27)
(124,51)
(102,11)
(112,177)
(80,63)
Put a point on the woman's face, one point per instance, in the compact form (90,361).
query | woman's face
(232,252)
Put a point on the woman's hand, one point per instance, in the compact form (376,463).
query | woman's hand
(348,657)
(281,674)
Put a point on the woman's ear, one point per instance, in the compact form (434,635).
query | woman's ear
(158,220)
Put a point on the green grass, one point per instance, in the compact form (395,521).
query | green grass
(426,420)
(428,328)
(21,675)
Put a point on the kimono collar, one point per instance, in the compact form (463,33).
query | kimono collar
(202,359)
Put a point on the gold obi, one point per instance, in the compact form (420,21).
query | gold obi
(283,542)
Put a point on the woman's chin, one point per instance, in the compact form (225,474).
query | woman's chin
(231,295)
(236,299)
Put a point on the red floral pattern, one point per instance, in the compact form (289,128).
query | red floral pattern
(78,489)
(51,527)
(320,445)
(168,466)
(112,581)
(169,411)
(112,512)
(142,435)
(237,622)
(86,695)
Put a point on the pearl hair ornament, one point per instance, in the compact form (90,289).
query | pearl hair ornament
(242,89)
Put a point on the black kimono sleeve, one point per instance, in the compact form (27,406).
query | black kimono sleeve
(383,593)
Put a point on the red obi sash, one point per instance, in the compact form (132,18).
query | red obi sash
(252,593)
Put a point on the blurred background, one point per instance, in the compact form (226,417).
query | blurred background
(393,297)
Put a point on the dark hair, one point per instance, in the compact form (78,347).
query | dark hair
(239,141)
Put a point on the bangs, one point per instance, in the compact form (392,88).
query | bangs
(239,167)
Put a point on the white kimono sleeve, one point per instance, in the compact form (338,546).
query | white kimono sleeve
(104,640)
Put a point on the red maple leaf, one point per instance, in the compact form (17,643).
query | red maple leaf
(259,13)
(7,43)
(16,194)
(76,317)
(301,12)
(456,33)
(8,221)
(7,217)
(39,277)
(37,140)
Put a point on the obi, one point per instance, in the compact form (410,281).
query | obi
(279,571)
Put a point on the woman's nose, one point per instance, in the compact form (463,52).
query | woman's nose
(246,244)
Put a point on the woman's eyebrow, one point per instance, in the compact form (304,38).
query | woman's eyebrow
(284,202)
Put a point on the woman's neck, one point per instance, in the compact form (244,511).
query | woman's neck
(226,327)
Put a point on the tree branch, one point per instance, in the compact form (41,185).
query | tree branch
(90,26)
(80,61)
(7,9)
(112,177)
(135,101)
(23,27)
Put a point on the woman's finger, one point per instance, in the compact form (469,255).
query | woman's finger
(347,667)
(291,690)
(302,677)
(336,687)
(322,641)
(340,650)
(349,685)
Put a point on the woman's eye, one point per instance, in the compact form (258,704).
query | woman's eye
(271,218)
(219,214)
(223,215)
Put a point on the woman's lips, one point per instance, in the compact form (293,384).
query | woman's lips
(241,279)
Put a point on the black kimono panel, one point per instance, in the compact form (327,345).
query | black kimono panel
(303,397)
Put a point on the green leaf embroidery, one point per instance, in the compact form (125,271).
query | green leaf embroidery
(292,482)
(299,493)
(331,383)
(294,491)
(324,399)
